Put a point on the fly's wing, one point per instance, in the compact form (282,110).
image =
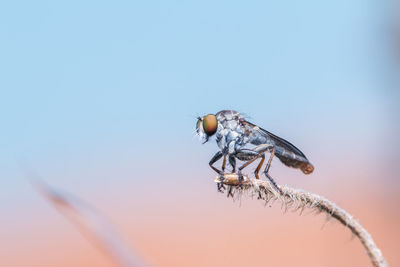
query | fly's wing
(287,153)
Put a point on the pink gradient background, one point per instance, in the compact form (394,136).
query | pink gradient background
(179,219)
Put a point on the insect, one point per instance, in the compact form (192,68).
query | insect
(240,139)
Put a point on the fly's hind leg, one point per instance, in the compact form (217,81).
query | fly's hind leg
(214,159)
(274,183)
(266,170)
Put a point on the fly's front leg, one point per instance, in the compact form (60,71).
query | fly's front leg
(214,159)
(224,164)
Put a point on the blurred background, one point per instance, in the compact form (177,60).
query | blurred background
(101,99)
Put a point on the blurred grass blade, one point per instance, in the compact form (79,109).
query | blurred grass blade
(97,229)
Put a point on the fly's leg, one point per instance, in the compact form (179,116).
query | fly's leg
(266,170)
(274,183)
(230,194)
(257,171)
(224,164)
(251,155)
(222,175)
(247,154)
(214,159)
(232,161)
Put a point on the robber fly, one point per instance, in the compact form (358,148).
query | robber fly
(239,139)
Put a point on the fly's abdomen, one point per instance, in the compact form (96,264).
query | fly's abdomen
(307,168)
(291,159)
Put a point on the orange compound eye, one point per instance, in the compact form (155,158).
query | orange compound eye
(210,124)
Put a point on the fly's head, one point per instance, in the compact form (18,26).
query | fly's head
(206,127)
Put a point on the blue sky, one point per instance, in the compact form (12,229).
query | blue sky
(84,78)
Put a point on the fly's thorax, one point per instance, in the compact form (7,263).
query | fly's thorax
(228,115)
(231,133)
(220,136)
(230,140)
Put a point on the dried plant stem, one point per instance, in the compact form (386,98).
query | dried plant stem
(298,199)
